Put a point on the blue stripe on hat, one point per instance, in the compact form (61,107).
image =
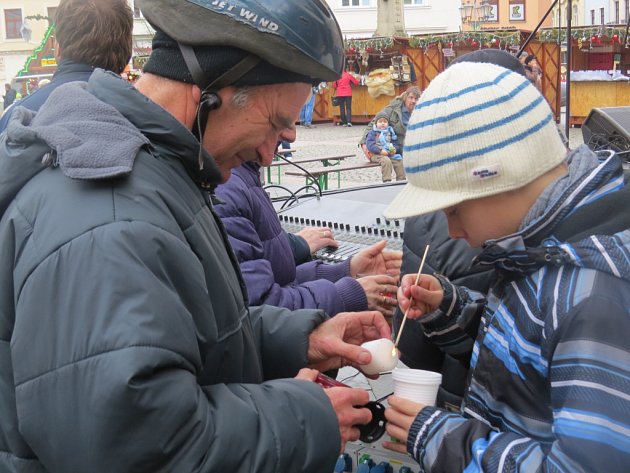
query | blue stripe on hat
(467,90)
(472,154)
(470,110)
(451,138)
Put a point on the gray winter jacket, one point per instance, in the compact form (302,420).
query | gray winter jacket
(125,341)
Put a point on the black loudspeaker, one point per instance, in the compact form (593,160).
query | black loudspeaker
(608,128)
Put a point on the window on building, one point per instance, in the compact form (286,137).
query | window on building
(574,17)
(415,2)
(617,12)
(592,17)
(355,3)
(13,23)
(52,11)
(625,10)
(601,16)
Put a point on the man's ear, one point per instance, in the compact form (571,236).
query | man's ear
(196,94)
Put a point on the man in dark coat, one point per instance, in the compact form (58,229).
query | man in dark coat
(126,343)
(87,35)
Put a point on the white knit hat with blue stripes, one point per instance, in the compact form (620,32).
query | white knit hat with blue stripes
(478,130)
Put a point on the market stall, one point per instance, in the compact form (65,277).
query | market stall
(599,65)
(386,67)
(41,64)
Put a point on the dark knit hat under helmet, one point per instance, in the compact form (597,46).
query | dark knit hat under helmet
(167,61)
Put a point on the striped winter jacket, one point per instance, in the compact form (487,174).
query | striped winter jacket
(549,386)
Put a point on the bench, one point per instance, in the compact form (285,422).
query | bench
(321,174)
(326,161)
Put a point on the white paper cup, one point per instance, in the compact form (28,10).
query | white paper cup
(384,358)
(416,385)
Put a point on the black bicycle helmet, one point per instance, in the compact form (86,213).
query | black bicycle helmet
(300,36)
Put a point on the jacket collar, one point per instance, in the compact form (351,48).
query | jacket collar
(538,244)
(169,137)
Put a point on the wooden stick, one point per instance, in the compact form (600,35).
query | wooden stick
(402,324)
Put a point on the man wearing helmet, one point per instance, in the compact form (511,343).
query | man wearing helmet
(125,340)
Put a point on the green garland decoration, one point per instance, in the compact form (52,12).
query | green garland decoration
(37,17)
(33,56)
(371,44)
(584,33)
(475,38)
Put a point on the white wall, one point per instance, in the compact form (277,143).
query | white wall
(596,5)
(434,16)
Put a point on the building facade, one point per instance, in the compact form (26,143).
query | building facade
(507,14)
(358,18)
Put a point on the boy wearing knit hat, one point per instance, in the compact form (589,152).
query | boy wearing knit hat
(127,343)
(382,139)
(548,386)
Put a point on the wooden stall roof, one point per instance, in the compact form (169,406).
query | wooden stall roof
(429,55)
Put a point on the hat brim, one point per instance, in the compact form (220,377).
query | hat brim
(413,200)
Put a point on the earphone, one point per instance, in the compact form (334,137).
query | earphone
(209,101)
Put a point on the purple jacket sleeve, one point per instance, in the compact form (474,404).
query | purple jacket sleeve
(265,256)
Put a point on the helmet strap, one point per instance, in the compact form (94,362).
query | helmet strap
(210,100)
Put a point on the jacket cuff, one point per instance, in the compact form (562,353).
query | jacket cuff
(299,247)
(419,431)
(448,305)
(352,295)
(333,272)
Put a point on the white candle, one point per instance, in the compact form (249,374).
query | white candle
(384,356)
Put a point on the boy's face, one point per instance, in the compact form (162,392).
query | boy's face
(382,123)
(487,218)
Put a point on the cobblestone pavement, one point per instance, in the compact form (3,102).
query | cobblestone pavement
(326,139)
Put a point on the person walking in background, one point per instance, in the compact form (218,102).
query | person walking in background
(88,34)
(306,114)
(9,95)
(398,112)
(343,88)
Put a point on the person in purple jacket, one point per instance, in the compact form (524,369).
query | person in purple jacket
(270,271)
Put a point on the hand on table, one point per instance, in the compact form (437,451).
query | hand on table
(318,238)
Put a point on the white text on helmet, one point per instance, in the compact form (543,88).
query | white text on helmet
(251,17)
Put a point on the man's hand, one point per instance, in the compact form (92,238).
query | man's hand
(375,260)
(423,298)
(343,401)
(381,293)
(307,374)
(400,415)
(334,343)
(318,238)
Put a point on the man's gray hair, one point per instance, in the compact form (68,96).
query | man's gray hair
(241,97)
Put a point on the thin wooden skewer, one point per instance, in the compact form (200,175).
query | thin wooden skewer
(402,324)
